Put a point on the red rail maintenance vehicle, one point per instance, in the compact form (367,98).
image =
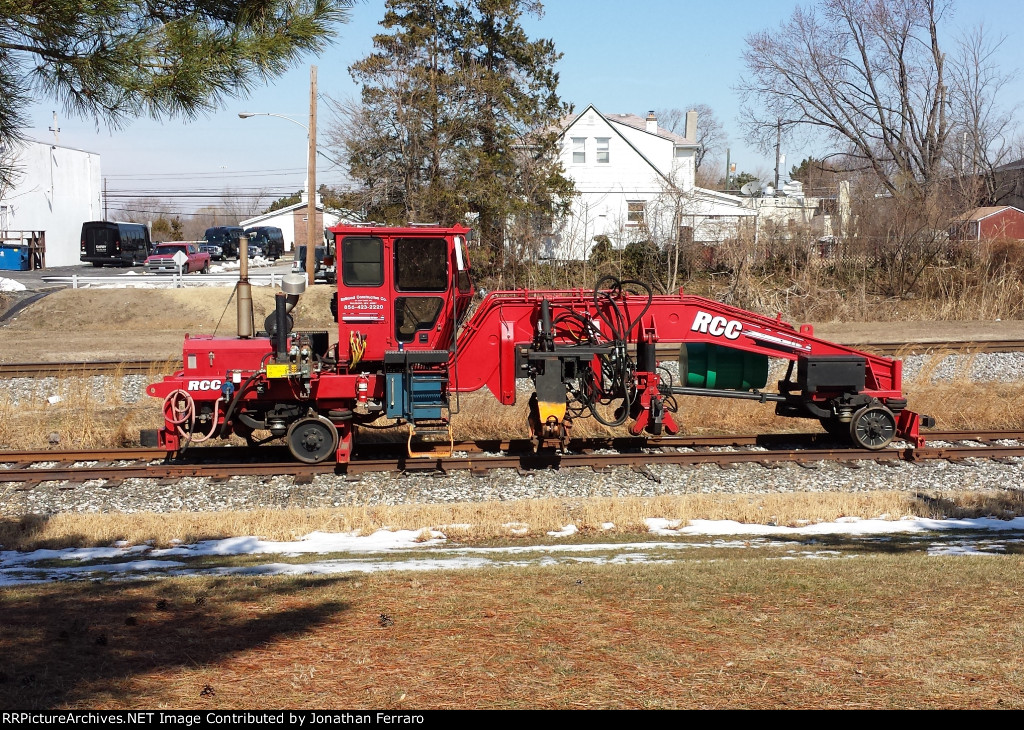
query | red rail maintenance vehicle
(407,347)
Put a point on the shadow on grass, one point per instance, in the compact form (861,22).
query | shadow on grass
(72,643)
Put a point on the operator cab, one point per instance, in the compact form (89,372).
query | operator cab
(399,289)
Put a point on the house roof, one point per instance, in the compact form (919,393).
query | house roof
(1015,165)
(984,212)
(343,214)
(632,120)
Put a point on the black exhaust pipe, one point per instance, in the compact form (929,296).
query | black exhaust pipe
(281,325)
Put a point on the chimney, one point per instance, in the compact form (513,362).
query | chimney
(652,122)
(691,125)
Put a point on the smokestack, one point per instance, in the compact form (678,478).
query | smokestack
(691,125)
(652,122)
(243,291)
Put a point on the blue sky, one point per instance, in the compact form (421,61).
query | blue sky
(622,57)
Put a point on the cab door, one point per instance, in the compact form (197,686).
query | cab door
(363,304)
(421,280)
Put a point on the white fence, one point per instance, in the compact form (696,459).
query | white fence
(162,281)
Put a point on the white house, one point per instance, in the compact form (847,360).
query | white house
(292,221)
(635,180)
(56,189)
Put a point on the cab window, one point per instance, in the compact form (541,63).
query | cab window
(362,261)
(421,264)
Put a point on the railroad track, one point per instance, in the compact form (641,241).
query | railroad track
(28,469)
(157,367)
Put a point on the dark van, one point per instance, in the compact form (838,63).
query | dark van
(226,237)
(117,244)
(270,239)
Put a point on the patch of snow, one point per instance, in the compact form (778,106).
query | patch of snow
(565,531)
(11,285)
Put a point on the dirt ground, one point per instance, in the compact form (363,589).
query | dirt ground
(150,324)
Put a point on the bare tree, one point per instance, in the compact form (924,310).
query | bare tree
(710,133)
(238,206)
(870,74)
(983,131)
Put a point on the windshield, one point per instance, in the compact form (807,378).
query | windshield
(216,235)
(257,237)
(164,249)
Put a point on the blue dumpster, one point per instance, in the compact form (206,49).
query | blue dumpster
(13,258)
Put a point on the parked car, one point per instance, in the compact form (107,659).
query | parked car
(162,260)
(255,250)
(324,263)
(215,250)
(227,238)
(116,244)
(268,238)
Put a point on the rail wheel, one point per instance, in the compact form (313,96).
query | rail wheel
(873,427)
(312,439)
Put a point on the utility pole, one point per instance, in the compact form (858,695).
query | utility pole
(778,147)
(727,151)
(105,199)
(312,235)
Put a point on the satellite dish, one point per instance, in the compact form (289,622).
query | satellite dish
(767,190)
(751,188)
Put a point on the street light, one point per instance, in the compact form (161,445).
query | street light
(246,115)
(311,237)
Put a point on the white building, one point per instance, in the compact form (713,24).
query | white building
(635,180)
(292,221)
(56,190)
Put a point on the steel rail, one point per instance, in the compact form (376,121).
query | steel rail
(142,466)
(490,446)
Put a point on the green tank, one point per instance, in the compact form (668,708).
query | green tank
(722,368)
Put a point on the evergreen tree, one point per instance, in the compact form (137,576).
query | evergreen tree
(457,115)
(118,59)
(284,202)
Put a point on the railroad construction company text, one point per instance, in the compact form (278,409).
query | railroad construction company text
(188,719)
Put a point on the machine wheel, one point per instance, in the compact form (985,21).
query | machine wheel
(873,427)
(97,264)
(312,439)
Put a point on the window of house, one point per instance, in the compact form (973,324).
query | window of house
(680,152)
(602,150)
(635,212)
(579,150)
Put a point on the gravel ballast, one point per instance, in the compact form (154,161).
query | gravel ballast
(242,493)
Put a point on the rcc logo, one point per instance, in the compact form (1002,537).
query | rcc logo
(204,384)
(716,326)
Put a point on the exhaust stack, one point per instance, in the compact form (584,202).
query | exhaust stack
(244,290)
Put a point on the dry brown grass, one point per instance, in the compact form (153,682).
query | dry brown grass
(483,521)
(740,631)
(84,420)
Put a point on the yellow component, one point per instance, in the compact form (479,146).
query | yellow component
(428,454)
(279,371)
(356,347)
(546,411)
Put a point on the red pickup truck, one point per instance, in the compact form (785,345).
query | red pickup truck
(162,260)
